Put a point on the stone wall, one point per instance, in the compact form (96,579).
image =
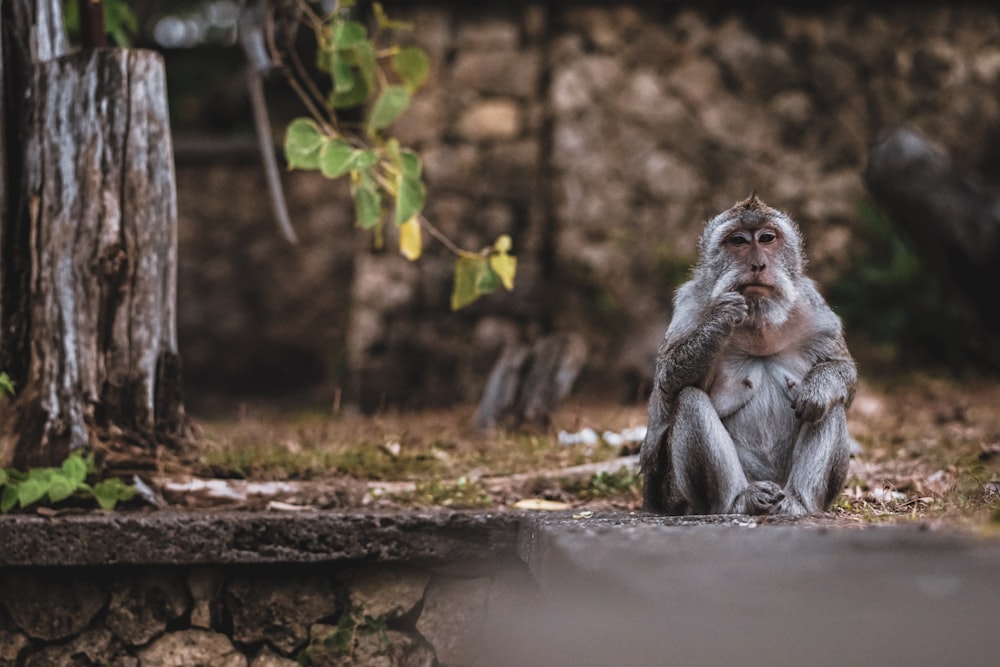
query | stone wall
(600,137)
(263,616)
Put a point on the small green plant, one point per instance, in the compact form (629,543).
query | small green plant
(890,298)
(624,482)
(6,385)
(56,485)
(120,22)
(371,71)
(462,493)
(341,643)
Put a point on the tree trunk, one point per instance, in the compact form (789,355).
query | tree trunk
(91,242)
(955,224)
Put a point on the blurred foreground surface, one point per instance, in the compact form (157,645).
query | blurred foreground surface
(631,590)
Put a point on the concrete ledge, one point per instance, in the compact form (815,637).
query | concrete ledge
(193,538)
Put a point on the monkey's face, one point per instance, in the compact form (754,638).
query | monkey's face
(754,250)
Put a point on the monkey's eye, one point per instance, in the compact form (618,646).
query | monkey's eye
(767,237)
(738,239)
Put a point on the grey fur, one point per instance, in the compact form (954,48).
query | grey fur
(747,411)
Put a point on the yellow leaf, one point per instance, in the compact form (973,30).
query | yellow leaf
(503,244)
(541,504)
(410,242)
(504,266)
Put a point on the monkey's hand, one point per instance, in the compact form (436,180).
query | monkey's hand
(811,405)
(822,388)
(729,310)
(757,498)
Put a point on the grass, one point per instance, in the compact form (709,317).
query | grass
(931,452)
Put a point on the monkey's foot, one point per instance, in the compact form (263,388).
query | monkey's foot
(788,506)
(758,498)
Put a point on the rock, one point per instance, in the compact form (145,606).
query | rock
(452,618)
(386,593)
(11,644)
(491,119)
(192,648)
(667,177)
(142,606)
(424,120)
(205,584)
(94,647)
(268,658)
(50,607)
(695,81)
(391,649)
(583,80)
(514,73)
(490,34)
(278,610)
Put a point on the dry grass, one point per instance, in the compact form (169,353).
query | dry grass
(932,452)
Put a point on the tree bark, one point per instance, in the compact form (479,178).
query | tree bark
(954,223)
(92,246)
(527,383)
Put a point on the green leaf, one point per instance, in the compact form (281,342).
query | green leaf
(410,192)
(303,142)
(344,78)
(61,487)
(472,275)
(367,202)
(75,468)
(410,242)
(3,477)
(348,33)
(9,498)
(335,157)
(412,66)
(390,104)
(110,492)
(488,280)
(362,160)
(34,488)
(6,384)
(361,59)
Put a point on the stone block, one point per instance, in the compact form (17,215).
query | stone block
(490,120)
(141,606)
(192,648)
(205,585)
(514,73)
(452,618)
(278,609)
(94,647)
(388,593)
(268,658)
(50,607)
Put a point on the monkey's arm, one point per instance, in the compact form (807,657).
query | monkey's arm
(832,380)
(688,350)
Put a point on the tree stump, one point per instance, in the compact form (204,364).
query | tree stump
(527,383)
(99,204)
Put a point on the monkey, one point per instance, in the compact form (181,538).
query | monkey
(747,414)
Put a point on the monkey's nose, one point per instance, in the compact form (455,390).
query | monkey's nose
(757,268)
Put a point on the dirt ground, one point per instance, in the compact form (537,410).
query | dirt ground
(931,451)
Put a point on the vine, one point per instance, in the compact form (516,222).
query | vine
(374,72)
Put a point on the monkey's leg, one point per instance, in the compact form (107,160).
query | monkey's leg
(707,471)
(819,465)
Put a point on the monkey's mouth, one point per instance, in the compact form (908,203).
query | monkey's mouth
(755,290)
